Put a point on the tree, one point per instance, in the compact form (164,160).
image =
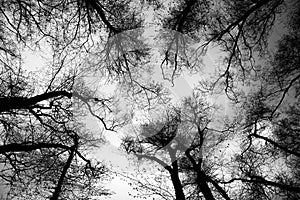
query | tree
(157,139)
(271,125)
(40,125)
(42,143)
(241,29)
(204,164)
(188,153)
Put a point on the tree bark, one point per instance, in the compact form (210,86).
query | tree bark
(201,177)
(177,185)
(202,183)
(59,185)
(25,147)
(9,103)
(60,182)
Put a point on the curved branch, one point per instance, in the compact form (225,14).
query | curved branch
(285,93)
(162,163)
(98,7)
(241,19)
(256,179)
(275,144)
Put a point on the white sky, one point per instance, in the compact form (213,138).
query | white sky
(35,61)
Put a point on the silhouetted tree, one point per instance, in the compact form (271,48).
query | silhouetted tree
(189,156)
(43,143)
(271,125)
(241,29)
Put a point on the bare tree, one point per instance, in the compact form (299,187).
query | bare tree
(271,125)
(43,144)
(241,29)
(185,146)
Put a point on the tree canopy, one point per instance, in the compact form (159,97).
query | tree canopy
(89,47)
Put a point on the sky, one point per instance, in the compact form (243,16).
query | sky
(110,153)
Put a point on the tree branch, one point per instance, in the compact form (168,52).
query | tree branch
(256,179)
(275,144)
(29,146)
(9,103)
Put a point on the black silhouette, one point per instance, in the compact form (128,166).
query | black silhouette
(166,134)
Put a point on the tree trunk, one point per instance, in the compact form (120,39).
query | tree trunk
(177,186)
(202,183)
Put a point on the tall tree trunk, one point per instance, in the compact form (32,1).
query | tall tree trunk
(177,186)
(59,185)
(201,177)
(202,183)
(175,176)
